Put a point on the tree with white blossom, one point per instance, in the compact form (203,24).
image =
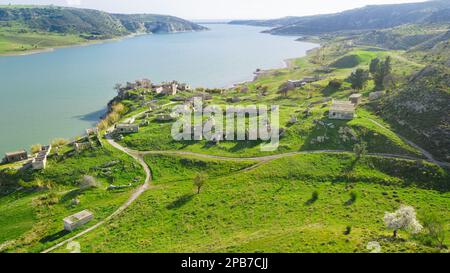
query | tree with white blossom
(402,219)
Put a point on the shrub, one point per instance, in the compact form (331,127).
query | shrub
(36,148)
(348,230)
(58,142)
(353,197)
(88,182)
(435,227)
(335,84)
(314,198)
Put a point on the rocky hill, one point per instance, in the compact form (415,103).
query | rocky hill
(421,110)
(88,22)
(366,18)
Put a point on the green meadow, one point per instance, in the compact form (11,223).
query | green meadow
(323,200)
(271,208)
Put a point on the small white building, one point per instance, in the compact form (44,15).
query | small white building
(74,221)
(355,98)
(342,110)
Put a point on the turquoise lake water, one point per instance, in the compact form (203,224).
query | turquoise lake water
(60,93)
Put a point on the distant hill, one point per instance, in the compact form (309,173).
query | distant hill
(423,37)
(366,18)
(151,23)
(89,22)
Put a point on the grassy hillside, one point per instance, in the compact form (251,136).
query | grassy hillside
(301,135)
(32,214)
(271,209)
(315,201)
(421,110)
(407,36)
(24,28)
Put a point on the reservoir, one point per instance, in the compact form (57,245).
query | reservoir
(60,93)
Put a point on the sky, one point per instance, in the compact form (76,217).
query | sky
(216,9)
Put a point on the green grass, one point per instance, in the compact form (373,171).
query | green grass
(355,58)
(17,43)
(267,209)
(168,168)
(298,137)
(17,216)
(33,220)
(245,206)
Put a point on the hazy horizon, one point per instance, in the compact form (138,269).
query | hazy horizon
(216,9)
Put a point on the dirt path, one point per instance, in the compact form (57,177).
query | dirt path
(133,197)
(139,156)
(427,154)
(273,157)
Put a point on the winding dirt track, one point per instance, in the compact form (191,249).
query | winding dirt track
(139,156)
(124,206)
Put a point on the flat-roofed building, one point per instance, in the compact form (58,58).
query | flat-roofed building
(355,98)
(15,156)
(342,110)
(74,221)
(126,128)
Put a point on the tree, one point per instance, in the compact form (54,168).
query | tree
(387,66)
(335,84)
(374,65)
(380,70)
(402,219)
(360,149)
(435,227)
(199,181)
(359,78)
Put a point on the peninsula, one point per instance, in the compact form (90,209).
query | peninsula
(26,29)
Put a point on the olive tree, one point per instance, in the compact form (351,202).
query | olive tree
(402,219)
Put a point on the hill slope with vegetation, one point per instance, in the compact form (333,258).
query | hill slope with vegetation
(366,18)
(33,27)
(327,188)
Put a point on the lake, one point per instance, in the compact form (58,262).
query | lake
(60,93)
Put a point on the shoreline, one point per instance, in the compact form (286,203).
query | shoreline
(284,64)
(86,43)
(287,64)
(53,48)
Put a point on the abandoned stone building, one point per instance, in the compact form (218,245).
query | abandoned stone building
(342,110)
(15,156)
